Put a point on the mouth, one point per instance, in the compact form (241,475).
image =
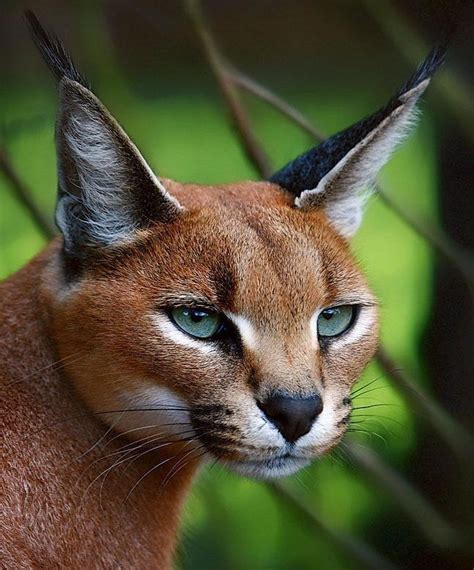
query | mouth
(262,454)
(269,468)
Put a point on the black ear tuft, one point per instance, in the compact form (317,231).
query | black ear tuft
(426,69)
(53,52)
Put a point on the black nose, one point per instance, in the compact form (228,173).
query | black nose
(292,416)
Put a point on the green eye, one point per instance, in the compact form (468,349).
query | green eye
(336,320)
(200,323)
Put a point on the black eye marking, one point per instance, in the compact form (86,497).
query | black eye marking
(347,401)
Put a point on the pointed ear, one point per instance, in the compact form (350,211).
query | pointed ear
(334,175)
(106,189)
(341,191)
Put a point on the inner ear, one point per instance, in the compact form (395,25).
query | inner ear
(107,191)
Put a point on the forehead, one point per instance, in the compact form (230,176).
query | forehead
(245,249)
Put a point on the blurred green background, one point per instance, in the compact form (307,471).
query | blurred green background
(333,62)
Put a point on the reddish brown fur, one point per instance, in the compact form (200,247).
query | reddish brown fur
(246,249)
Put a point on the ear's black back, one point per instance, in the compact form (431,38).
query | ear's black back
(305,172)
(53,52)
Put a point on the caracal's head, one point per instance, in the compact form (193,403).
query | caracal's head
(231,318)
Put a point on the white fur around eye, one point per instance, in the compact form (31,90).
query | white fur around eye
(313,330)
(246,330)
(172,333)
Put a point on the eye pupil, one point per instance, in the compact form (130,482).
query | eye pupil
(197,316)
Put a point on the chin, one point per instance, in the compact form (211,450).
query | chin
(267,469)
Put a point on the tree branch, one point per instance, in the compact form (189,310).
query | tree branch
(431,524)
(439,240)
(357,550)
(239,118)
(403,35)
(248,84)
(23,195)
(460,440)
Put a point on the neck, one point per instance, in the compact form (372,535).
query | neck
(69,475)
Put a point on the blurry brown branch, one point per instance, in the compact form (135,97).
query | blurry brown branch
(440,241)
(248,84)
(459,439)
(357,550)
(22,193)
(250,144)
(406,497)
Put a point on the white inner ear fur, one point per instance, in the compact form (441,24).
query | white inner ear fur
(102,179)
(339,192)
(94,143)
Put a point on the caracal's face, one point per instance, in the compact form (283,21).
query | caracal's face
(238,329)
(231,319)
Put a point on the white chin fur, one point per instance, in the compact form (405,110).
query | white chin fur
(267,469)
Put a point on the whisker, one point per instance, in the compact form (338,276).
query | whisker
(337,457)
(362,394)
(374,421)
(374,406)
(134,445)
(388,418)
(106,471)
(56,365)
(369,433)
(151,426)
(101,438)
(138,456)
(157,466)
(187,439)
(366,385)
(91,412)
(123,452)
(175,470)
